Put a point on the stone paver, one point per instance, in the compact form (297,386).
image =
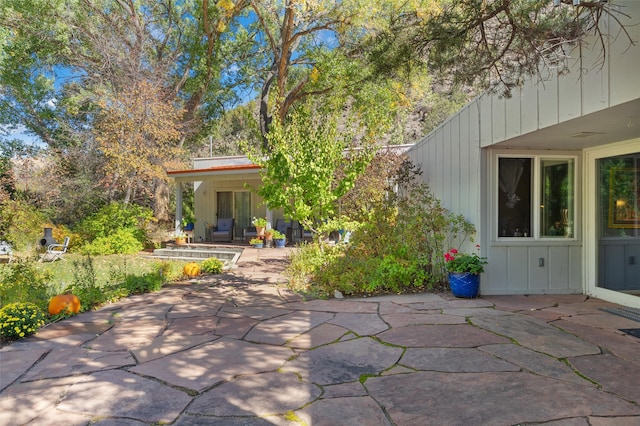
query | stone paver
(344,411)
(361,324)
(613,374)
(211,363)
(240,349)
(15,363)
(256,395)
(344,361)
(535,362)
(460,360)
(445,336)
(122,394)
(67,362)
(537,335)
(482,398)
(277,331)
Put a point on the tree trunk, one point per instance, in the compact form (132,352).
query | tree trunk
(161,201)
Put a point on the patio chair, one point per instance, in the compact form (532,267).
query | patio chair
(6,252)
(249,233)
(306,234)
(224,230)
(55,251)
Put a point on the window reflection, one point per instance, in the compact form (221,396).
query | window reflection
(556,208)
(514,199)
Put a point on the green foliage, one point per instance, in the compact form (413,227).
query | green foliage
(397,248)
(305,170)
(122,241)
(18,320)
(21,282)
(212,265)
(169,271)
(464,262)
(120,283)
(136,284)
(277,235)
(21,224)
(85,284)
(116,216)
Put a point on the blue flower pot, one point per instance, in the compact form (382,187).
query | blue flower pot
(280,242)
(464,284)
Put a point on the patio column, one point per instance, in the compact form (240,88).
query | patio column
(178,221)
(269,217)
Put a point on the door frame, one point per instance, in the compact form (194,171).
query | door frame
(590,224)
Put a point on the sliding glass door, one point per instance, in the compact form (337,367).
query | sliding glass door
(618,223)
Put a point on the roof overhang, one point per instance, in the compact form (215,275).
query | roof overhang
(610,125)
(216,171)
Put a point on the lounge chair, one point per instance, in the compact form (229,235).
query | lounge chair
(55,251)
(224,230)
(6,252)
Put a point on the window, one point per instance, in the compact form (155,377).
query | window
(547,182)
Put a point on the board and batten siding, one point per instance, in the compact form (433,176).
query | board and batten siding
(450,161)
(458,159)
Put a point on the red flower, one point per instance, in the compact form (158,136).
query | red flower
(453,251)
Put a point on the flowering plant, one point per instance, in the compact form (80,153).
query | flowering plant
(260,222)
(18,320)
(462,262)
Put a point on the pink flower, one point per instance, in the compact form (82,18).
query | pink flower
(453,251)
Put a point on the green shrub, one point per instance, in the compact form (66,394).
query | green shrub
(168,271)
(85,284)
(21,224)
(212,265)
(136,284)
(21,282)
(122,241)
(397,248)
(18,320)
(113,217)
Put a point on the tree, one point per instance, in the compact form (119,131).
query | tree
(137,134)
(310,166)
(303,50)
(103,48)
(491,43)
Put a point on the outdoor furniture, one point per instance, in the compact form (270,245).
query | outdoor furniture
(6,252)
(223,231)
(188,231)
(55,251)
(249,233)
(306,234)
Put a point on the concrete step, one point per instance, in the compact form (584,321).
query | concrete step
(228,255)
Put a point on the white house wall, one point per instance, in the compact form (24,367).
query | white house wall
(450,161)
(458,158)
(589,86)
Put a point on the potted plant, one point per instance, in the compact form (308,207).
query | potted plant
(278,238)
(180,239)
(257,242)
(260,224)
(464,272)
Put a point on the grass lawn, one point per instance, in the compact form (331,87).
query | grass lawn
(62,271)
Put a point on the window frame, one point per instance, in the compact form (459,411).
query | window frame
(536,195)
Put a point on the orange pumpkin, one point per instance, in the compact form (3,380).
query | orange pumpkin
(65,303)
(191,269)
